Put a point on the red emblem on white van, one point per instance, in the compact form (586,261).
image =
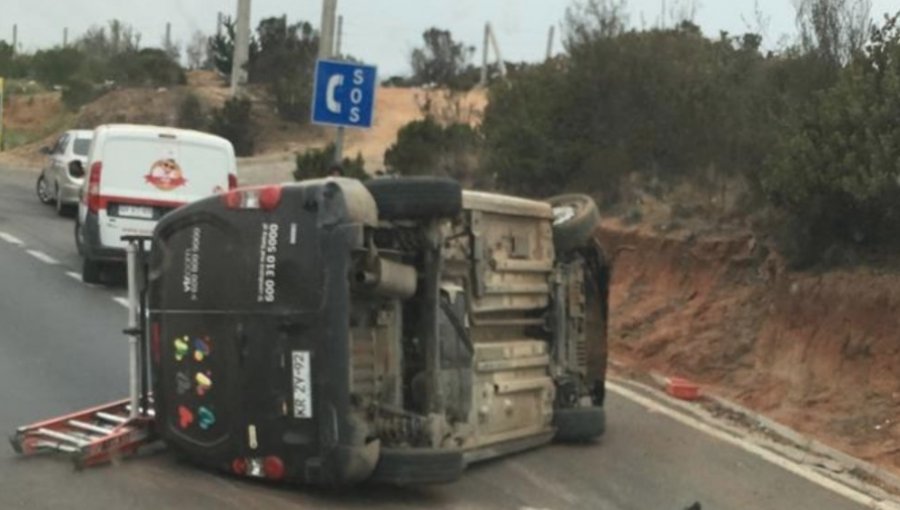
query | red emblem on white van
(165,175)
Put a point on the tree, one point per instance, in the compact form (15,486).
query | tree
(833,30)
(425,147)
(836,172)
(234,123)
(441,61)
(196,51)
(57,66)
(284,61)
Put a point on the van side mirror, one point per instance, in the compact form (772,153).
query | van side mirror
(76,169)
(45,150)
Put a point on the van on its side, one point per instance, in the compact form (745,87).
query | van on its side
(135,175)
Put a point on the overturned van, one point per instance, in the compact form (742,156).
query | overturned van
(333,331)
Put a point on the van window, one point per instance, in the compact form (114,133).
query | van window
(81,146)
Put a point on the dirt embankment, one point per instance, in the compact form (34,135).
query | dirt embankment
(43,118)
(817,352)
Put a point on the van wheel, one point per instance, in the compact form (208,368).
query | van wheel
(91,271)
(43,190)
(575,218)
(415,198)
(579,424)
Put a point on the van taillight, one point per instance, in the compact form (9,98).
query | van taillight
(270,467)
(93,188)
(232,182)
(263,197)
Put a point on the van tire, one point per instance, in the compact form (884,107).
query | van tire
(575,229)
(91,271)
(416,198)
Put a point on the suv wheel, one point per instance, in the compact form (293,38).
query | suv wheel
(43,190)
(416,198)
(574,219)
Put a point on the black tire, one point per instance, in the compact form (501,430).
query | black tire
(575,218)
(416,198)
(406,466)
(43,190)
(63,210)
(579,424)
(78,243)
(91,271)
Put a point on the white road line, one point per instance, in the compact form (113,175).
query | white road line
(43,257)
(799,470)
(73,275)
(9,238)
(121,300)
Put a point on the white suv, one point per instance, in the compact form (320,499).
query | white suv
(61,178)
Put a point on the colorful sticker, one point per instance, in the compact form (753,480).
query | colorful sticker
(201,348)
(165,175)
(181,347)
(185,417)
(182,383)
(206,417)
(204,382)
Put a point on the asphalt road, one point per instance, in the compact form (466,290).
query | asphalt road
(61,349)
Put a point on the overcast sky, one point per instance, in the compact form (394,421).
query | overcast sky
(383,32)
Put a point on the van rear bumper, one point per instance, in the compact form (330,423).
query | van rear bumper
(92,248)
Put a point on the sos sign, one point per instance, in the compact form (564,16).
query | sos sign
(344,94)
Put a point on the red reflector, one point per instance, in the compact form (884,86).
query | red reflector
(239,466)
(232,181)
(93,188)
(269,197)
(273,467)
(232,199)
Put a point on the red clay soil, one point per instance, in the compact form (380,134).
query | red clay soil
(817,352)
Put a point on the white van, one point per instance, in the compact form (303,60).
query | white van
(135,175)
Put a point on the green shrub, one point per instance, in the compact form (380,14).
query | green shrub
(147,67)
(837,170)
(79,92)
(424,147)
(234,123)
(191,114)
(315,163)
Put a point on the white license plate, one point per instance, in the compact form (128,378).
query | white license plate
(302,384)
(136,211)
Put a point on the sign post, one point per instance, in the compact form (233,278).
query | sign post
(344,96)
(2,123)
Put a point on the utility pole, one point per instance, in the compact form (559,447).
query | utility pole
(340,36)
(550,41)
(484,54)
(2,98)
(219,24)
(241,47)
(326,51)
(65,36)
(168,35)
(500,64)
(15,41)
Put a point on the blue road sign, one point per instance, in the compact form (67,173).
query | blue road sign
(344,94)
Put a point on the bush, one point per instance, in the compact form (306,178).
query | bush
(234,123)
(836,172)
(191,114)
(315,163)
(79,92)
(147,67)
(424,147)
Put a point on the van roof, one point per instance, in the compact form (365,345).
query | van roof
(154,131)
(81,133)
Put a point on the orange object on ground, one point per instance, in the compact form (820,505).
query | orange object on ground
(682,388)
